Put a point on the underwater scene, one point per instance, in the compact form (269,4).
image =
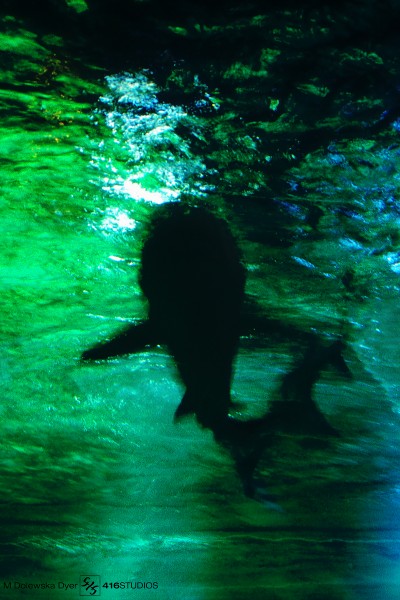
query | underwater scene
(200,277)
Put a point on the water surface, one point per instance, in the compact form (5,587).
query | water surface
(299,152)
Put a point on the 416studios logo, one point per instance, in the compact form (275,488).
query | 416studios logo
(89,585)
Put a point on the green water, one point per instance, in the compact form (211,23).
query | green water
(95,477)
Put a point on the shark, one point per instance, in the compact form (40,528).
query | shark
(193,277)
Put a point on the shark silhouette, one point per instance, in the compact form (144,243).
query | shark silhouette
(194,280)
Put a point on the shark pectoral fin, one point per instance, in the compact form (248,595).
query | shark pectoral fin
(133,339)
(90,354)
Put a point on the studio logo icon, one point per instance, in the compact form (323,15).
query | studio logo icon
(89,585)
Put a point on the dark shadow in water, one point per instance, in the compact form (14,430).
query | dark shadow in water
(338,522)
(194,280)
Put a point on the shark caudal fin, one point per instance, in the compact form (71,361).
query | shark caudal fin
(295,410)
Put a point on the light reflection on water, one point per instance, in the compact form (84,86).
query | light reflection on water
(150,144)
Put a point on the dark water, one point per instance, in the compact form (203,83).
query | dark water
(286,121)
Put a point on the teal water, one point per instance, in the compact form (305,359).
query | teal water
(95,477)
